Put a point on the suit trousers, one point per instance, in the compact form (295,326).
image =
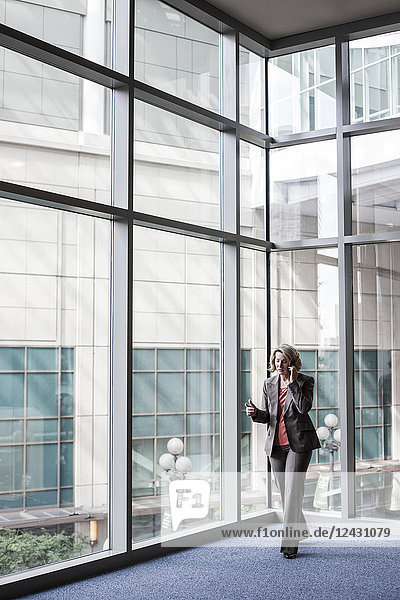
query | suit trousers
(289,469)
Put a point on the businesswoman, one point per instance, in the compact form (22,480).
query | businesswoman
(291,437)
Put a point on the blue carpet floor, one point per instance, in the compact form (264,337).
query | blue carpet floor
(254,573)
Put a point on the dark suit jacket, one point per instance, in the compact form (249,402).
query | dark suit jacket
(299,427)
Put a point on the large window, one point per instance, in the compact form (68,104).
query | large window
(54,364)
(176,370)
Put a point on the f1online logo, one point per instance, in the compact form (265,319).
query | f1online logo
(189,499)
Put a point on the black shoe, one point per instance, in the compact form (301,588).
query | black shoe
(290,554)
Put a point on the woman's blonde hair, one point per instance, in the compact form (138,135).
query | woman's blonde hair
(291,354)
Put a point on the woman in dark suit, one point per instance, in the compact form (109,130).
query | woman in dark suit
(291,437)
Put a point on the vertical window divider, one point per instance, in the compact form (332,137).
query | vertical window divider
(230,265)
(345,283)
(268,490)
(120,525)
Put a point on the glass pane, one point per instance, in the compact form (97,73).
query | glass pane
(253,372)
(303,191)
(170,425)
(374,87)
(176,167)
(170,360)
(42,430)
(67,393)
(308,359)
(78,29)
(42,359)
(143,427)
(252,89)
(177,316)
(56,132)
(11,395)
(199,360)
(375,163)
(143,360)
(376,327)
(41,466)
(48,498)
(54,277)
(67,429)
(301,91)
(42,395)
(304,310)
(176,54)
(199,423)
(12,359)
(170,392)
(66,464)
(11,468)
(67,359)
(199,391)
(10,501)
(11,432)
(143,460)
(252,190)
(66,496)
(143,392)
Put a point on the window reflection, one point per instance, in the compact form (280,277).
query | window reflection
(375,161)
(303,192)
(374,81)
(375,280)
(302,91)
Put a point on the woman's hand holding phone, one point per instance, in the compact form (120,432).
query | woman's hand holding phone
(250,408)
(293,374)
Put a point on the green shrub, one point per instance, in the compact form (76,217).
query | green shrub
(24,550)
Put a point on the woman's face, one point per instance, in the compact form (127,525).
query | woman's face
(282,364)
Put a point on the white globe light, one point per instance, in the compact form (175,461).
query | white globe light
(336,435)
(331,420)
(323,433)
(183,464)
(175,446)
(166,461)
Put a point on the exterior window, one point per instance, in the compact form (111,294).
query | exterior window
(303,192)
(302,91)
(31,426)
(176,54)
(375,83)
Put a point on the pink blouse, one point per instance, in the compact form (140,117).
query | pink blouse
(281,438)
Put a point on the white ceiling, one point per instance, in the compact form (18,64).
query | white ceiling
(279,18)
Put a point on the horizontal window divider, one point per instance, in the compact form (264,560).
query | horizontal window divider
(253,45)
(372,238)
(371,127)
(37,49)
(22,193)
(253,136)
(324,36)
(255,244)
(183,108)
(211,16)
(303,138)
(300,42)
(173,226)
(302,244)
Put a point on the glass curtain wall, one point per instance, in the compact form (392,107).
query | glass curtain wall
(55,271)
(304,313)
(376,281)
(253,320)
(176,376)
